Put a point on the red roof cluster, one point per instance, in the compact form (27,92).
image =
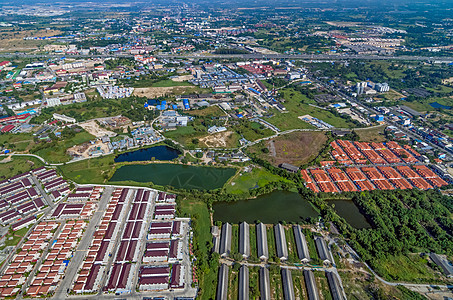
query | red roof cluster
(347,153)
(353,179)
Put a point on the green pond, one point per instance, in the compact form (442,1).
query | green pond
(178,176)
(350,212)
(268,208)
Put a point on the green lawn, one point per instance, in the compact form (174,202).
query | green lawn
(258,177)
(57,153)
(18,165)
(411,268)
(372,135)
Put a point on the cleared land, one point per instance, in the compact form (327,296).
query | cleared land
(294,148)
(226,139)
(11,39)
(93,128)
(165,88)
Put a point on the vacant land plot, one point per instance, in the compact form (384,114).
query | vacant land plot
(294,148)
(375,134)
(17,165)
(201,225)
(211,111)
(226,139)
(166,88)
(253,179)
(95,170)
(18,142)
(93,128)
(185,135)
(11,39)
(410,268)
(56,152)
(297,105)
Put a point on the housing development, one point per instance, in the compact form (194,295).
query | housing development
(226,150)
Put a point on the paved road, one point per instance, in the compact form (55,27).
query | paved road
(79,255)
(42,192)
(313,57)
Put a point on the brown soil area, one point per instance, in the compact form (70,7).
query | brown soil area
(219,140)
(295,148)
(154,92)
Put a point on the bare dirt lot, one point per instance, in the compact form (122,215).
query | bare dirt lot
(154,92)
(84,149)
(219,140)
(93,128)
(11,39)
(295,148)
(182,78)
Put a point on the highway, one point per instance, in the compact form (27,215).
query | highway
(251,56)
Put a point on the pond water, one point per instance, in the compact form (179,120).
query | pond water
(438,105)
(158,152)
(350,212)
(268,208)
(178,176)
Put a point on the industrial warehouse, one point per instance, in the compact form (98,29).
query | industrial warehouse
(238,237)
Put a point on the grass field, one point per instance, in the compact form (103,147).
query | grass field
(372,134)
(253,131)
(18,142)
(202,234)
(297,105)
(211,111)
(295,148)
(57,153)
(258,177)
(13,237)
(94,170)
(185,135)
(411,268)
(18,165)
